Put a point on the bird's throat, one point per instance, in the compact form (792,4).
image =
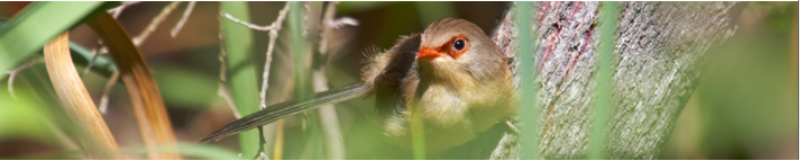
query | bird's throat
(444,71)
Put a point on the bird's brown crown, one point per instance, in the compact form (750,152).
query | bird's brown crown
(452,37)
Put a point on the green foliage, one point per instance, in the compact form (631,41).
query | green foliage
(434,11)
(204,151)
(38,23)
(604,82)
(23,117)
(185,87)
(299,50)
(238,43)
(351,6)
(749,96)
(527,70)
(745,99)
(102,64)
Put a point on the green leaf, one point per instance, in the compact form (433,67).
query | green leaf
(302,87)
(190,149)
(82,56)
(27,32)
(238,41)
(102,65)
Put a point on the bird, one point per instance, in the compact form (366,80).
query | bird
(452,78)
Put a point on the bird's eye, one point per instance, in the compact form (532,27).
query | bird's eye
(459,44)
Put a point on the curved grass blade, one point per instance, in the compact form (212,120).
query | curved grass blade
(148,105)
(27,32)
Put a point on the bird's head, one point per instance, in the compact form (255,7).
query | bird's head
(454,48)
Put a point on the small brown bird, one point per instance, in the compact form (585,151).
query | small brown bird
(451,75)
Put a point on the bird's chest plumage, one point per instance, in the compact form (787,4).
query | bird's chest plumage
(461,101)
(452,115)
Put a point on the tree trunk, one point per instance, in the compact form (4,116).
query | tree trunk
(658,50)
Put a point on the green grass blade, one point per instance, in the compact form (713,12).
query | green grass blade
(527,70)
(238,44)
(197,150)
(300,51)
(604,84)
(81,55)
(27,33)
(103,65)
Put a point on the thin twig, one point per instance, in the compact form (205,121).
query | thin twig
(330,121)
(341,22)
(222,60)
(329,24)
(328,118)
(95,53)
(117,11)
(247,24)
(221,90)
(512,127)
(273,29)
(273,35)
(183,20)
(13,73)
(306,12)
(262,155)
(106,91)
(153,24)
(330,12)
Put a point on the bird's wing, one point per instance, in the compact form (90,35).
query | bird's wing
(388,85)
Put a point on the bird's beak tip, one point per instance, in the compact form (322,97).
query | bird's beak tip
(428,53)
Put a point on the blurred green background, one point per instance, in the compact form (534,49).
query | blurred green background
(745,106)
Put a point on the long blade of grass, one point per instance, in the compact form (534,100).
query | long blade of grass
(76,100)
(189,149)
(27,32)
(527,69)
(148,106)
(102,65)
(329,121)
(238,44)
(604,84)
(82,56)
(299,51)
(417,128)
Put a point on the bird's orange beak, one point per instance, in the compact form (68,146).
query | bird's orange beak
(428,53)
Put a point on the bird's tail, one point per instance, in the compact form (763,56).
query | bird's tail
(277,111)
